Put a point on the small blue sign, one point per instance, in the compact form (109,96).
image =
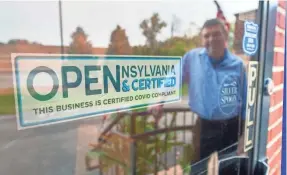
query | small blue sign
(250,38)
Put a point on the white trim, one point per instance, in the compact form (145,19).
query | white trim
(279,121)
(266,165)
(278,87)
(275,107)
(274,169)
(279,30)
(233,157)
(274,139)
(281,10)
(275,154)
(277,68)
(279,49)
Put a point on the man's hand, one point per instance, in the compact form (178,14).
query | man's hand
(156,111)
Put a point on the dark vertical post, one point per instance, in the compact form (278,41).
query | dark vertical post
(61,27)
(133,158)
(165,143)
(263,19)
(156,149)
(133,146)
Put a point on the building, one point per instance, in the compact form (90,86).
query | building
(239,28)
(24,47)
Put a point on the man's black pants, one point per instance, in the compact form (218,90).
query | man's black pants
(217,135)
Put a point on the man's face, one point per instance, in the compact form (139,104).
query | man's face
(214,40)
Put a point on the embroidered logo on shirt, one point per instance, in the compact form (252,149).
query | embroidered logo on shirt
(228,94)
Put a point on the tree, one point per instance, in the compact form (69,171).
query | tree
(231,36)
(119,43)
(18,41)
(22,42)
(175,25)
(141,50)
(193,29)
(151,28)
(175,46)
(80,43)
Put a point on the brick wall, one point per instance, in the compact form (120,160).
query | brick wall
(274,145)
(6,81)
(7,49)
(239,29)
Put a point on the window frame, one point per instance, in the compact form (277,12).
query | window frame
(266,13)
(284,127)
(262,120)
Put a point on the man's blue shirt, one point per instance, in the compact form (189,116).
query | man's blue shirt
(216,88)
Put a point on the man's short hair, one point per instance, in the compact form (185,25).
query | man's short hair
(213,22)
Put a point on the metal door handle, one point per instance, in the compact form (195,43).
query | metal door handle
(268,86)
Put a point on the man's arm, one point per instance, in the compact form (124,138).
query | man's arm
(185,68)
(157,110)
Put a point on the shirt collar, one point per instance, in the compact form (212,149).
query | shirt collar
(213,60)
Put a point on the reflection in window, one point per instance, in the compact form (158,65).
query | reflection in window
(209,117)
(239,29)
(168,29)
(25,32)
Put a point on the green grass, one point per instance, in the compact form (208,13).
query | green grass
(7,104)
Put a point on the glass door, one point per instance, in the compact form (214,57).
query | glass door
(219,44)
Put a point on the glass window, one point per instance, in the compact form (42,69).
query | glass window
(29,27)
(170,137)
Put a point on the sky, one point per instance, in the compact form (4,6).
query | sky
(38,21)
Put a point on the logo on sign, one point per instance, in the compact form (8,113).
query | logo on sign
(228,95)
(250,38)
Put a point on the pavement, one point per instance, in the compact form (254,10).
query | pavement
(49,150)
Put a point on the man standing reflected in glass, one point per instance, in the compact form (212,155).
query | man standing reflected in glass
(216,81)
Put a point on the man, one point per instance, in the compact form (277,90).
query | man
(216,88)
